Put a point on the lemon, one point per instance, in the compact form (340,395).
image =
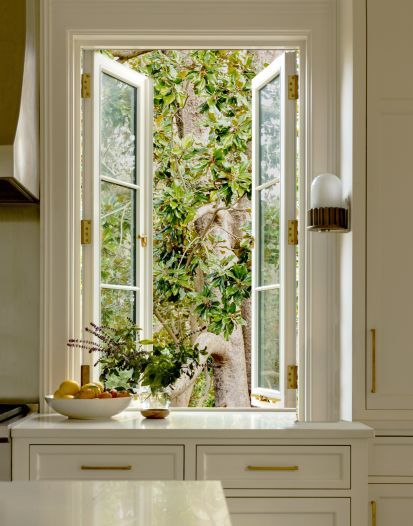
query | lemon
(67,396)
(69,387)
(57,394)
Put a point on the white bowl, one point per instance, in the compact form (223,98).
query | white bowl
(88,409)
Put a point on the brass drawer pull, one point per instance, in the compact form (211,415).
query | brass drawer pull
(373,360)
(373,513)
(105,468)
(272,468)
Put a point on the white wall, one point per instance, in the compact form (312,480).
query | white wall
(19,302)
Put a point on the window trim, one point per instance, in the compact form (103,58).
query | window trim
(69,26)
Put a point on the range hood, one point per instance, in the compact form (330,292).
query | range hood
(19,115)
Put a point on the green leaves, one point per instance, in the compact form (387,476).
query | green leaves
(202,142)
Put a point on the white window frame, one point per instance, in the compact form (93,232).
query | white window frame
(96,64)
(283,66)
(69,27)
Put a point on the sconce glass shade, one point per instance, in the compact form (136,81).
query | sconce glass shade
(327,212)
(326,191)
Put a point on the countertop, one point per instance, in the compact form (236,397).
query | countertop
(190,424)
(120,503)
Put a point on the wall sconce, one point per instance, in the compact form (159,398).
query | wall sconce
(327,212)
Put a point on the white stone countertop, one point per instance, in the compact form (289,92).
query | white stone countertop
(109,503)
(188,424)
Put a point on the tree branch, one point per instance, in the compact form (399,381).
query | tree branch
(205,231)
(165,325)
(126,54)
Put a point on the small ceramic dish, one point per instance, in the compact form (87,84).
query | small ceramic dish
(155,413)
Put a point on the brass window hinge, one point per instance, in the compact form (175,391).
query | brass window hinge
(86,231)
(293,232)
(293,87)
(85,86)
(292,377)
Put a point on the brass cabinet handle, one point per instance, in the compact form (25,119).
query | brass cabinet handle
(373,361)
(105,468)
(373,513)
(273,468)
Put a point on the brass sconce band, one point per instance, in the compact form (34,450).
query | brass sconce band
(327,219)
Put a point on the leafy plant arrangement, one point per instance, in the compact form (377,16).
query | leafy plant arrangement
(154,363)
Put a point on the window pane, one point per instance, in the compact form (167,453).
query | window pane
(268,339)
(117,224)
(117,132)
(269,235)
(117,305)
(270,131)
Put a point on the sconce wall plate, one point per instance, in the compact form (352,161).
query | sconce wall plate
(327,219)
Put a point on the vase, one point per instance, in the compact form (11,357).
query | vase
(155,404)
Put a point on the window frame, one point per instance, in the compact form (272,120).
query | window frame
(97,64)
(68,27)
(283,66)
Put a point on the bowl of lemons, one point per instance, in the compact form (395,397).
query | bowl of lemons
(88,402)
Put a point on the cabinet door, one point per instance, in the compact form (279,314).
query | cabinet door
(389,204)
(392,504)
(289,511)
(119,462)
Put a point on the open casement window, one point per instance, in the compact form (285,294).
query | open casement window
(273,204)
(117,195)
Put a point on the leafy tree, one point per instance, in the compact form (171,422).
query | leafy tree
(202,191)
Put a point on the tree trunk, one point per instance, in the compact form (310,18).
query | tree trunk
(246,333)
(230,374)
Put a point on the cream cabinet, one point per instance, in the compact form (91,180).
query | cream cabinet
(273,470)
(91,462)
(391,481)
(289,512)
(296,467)
(392,457)
(389,285)
(391,504)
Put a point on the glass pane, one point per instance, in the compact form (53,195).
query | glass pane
(117,305)
(117,131)
(269,339)
(269,235)
(117,232)
(270,131)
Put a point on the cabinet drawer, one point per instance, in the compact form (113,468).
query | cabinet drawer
(391,457)
(289,511)
(88,462)
(275,466)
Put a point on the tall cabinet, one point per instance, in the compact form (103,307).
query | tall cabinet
(389,260)
(389,208)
